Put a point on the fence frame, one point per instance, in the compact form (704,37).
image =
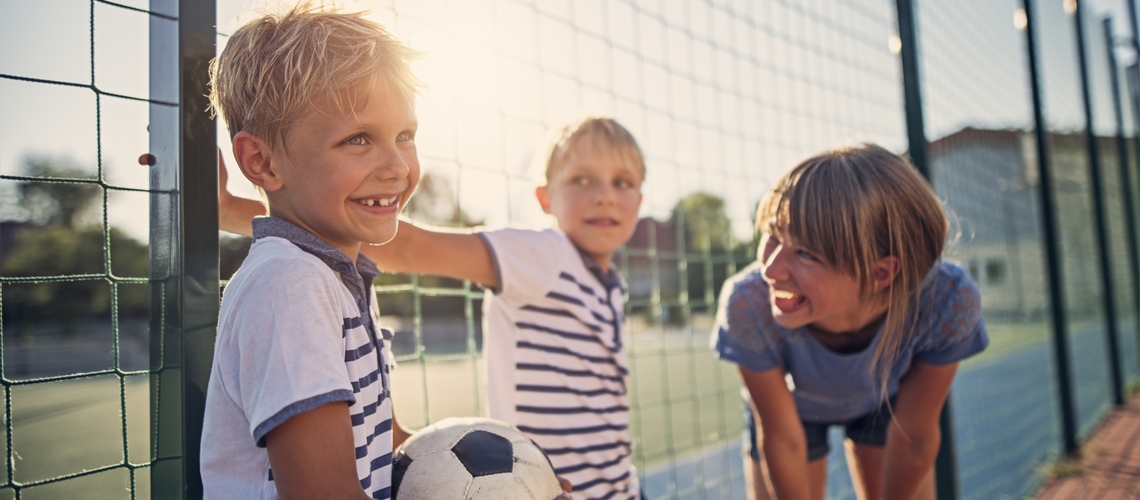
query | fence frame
(1098,202)
(186,289)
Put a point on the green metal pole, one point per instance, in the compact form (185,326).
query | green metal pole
(184,241)
(1099,217)
(1125,172)
(946,463)
(1052,244)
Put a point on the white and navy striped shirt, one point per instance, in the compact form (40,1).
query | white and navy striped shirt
(556,365)
(298,329)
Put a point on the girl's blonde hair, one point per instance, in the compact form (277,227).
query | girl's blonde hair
(276,69)
(852,207)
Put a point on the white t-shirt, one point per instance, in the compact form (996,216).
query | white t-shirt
(556,362)
(293,337)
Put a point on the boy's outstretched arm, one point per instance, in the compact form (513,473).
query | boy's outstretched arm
(421,250)
(235,215)
(312,455)
(414,249)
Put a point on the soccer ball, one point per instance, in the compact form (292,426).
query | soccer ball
(472,459)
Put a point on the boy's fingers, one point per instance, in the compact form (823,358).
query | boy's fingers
(566,485)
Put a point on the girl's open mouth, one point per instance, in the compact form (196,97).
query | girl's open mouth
(787,302)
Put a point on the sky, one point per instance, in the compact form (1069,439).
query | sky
(723,97)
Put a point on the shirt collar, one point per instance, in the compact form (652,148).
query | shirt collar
(609,278)
(356,277)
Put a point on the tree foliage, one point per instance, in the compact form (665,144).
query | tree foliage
(57,241)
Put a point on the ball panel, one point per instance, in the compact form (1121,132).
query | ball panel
(501,428)
(441,435)
(400,464)
(432,477)
(499,487)
(533,470)
(484,453)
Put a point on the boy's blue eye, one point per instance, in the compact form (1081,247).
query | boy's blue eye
(355,140)
(805,254)
(404,136)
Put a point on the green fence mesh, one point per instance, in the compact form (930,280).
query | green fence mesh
(73,250)
(723,97)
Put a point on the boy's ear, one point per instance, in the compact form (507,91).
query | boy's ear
(885,272)
(543,196)
(255,159)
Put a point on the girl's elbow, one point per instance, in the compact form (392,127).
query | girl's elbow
(784,447)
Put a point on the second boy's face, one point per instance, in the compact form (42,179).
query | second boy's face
(347,175)
(595,196)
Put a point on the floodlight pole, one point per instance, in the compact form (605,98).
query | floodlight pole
(1052,244)
(945,465)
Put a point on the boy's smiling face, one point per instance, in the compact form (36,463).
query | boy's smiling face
(595,195)
(345,176)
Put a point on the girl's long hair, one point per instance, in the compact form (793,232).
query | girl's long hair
(854,206)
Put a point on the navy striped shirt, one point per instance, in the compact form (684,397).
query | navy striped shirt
(555,358)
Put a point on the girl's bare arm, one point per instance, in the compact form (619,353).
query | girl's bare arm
(784,443)
(914,436)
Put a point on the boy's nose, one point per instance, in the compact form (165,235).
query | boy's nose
(392,164)
(605,195)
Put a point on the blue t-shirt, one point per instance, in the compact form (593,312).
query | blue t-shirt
(835,387)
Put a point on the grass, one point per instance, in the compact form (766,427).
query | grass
(71,426)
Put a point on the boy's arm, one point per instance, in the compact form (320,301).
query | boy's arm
(914,435)
(785,446)
(312,455)
(235,215)
(458,255)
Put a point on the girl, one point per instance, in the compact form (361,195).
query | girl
(850,318)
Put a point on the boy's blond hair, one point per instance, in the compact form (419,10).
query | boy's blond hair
(278,68)
(596,133)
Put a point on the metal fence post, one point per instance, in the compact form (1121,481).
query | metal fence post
(1124,163)
(1098,210)
(945,465)
(1052,244)
(184,242)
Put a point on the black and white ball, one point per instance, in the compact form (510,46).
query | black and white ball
(472,459)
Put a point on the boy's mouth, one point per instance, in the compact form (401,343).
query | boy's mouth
(787,302)
(602,222)
(382,202)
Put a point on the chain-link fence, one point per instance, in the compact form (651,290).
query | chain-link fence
(107,312)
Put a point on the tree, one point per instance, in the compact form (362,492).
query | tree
(56,241)
(435,203)
(706,225)
(55,203)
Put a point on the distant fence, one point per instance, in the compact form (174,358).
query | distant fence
(1022,114)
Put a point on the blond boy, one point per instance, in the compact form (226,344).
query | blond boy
(554,349)
(320,109)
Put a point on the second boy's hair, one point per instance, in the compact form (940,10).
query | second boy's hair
(276,68)
(854,206)
(595,133)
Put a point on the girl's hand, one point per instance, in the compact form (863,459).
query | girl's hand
(566,487)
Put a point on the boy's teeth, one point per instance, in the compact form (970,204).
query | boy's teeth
(780,294)
(381,201)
